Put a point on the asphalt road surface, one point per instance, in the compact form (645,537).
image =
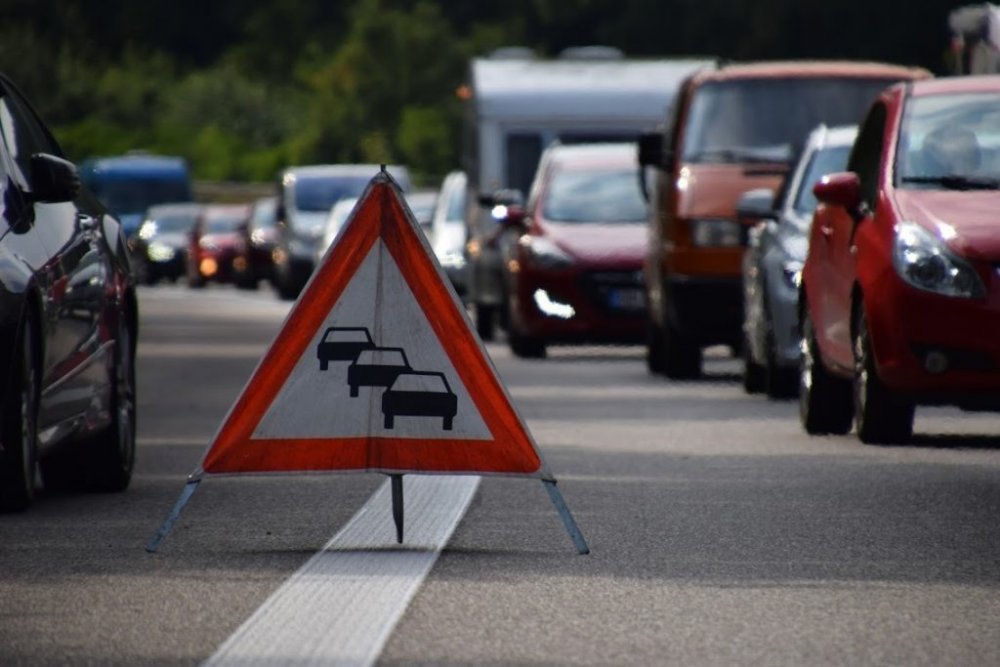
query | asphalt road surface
(720,534)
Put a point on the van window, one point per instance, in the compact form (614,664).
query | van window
(523,152)
(763,120)
(130,194)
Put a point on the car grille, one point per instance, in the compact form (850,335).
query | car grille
(615,292)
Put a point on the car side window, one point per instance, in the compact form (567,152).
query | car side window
(23,135)
(867,153)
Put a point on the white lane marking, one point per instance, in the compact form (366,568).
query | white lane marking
(341,606)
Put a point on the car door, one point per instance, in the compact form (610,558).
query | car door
(71,281)
(839,234)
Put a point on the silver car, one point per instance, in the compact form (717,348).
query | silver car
(772,264)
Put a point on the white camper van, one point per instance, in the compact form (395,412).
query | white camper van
(516,106)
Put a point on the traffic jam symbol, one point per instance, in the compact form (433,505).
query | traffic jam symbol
(407,393)
(436,407)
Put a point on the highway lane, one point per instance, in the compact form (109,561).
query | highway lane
(720,534)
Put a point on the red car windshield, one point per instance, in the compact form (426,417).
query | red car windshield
(950,142)
(610,196)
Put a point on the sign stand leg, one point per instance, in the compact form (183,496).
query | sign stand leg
(566,516)
(397,505)
(175,514)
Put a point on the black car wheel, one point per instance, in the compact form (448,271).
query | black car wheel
(18,461)
(485,325)
(880,416)
(753,373)
(681,357)
(824,399)
(779,381)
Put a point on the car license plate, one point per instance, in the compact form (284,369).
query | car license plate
(627,299)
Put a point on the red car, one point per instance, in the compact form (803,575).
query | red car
(901,300)
(214,243)
(575,275)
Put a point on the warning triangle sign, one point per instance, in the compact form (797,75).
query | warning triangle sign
(376,368)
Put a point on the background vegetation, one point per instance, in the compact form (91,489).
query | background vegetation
(242,89)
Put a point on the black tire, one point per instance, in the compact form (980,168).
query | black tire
(825,404)
(104,461)
(485,324)
(880,416)
(521,345)
(19,458)
(525,347)
(655,354)
(780,382)
(681,358)
(753,373)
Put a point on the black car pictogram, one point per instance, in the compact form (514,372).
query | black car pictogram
(342,344)
(420,394)
(376,367)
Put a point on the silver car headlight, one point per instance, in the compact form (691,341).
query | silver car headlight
(925,262)
(791,271)
(716,233)
(544,253)
(160,252)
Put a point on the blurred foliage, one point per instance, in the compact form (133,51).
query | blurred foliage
(243,89)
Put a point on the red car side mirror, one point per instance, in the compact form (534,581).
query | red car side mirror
(839,189)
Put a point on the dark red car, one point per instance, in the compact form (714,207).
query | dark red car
(254,260)
(575,275)
(901,300)
(214,242)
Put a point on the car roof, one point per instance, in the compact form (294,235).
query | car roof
(174,208)
(839,135)
(809,68)
(321,170)
(956,84)
(583,155)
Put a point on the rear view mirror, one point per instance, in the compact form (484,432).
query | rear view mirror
(755,205)
(651,149)
(53,179)
(840,189)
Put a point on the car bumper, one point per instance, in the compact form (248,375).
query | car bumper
(595,305)
(935,347)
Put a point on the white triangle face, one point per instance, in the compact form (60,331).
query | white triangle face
(412,391)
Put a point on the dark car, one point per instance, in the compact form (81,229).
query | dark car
(342,344)
(213,243)
(419,394)
(254,259)
(376,367)
(68,319)
(159,249)
(575,274)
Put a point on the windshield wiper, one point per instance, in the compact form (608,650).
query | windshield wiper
(956,182)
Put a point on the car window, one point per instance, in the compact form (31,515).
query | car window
(346,336)
(955,136)
(320,193)
(382,358)
(223,224)
(456,205)
(174,222)
(422,382)
(867,153)
(824,161)
(594,196)
(749,120)
(23,136)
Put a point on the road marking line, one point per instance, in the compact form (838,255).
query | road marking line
(341,606)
